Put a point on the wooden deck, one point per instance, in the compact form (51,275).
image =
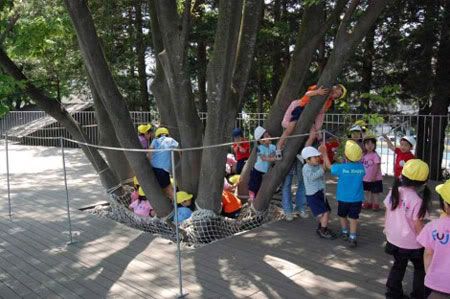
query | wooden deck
(277,260)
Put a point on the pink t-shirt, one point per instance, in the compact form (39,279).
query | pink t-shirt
(436,236)
(399,223)
(371,162)
(141,208)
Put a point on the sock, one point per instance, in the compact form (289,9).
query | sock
(353,236)
(344,230)
(319,226)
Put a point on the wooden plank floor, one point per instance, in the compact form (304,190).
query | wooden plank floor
(110,260)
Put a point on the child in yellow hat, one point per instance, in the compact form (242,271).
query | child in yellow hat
(145,135)
(185,206)
(435,237)
(406,208)
(350,193)
(142,206)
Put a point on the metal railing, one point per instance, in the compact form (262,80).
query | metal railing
(39,124)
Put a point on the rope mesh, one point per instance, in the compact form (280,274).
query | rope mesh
(201,228)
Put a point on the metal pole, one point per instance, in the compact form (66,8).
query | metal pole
(7,175)
(67,191)
(175,208)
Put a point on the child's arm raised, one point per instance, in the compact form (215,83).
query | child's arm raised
(389,142)
(317,92)
(326,161)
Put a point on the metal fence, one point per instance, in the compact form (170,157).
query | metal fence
(34,124)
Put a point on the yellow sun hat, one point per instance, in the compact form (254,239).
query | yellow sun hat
(416,170)
(353,151)
(161,131)
(142,129)
(141,192)
(135,181)
(234,180)
(182,196)
(444,191)
(344,91)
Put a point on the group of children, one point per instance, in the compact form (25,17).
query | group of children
(408,238)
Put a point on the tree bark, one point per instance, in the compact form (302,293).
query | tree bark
(227,77)
(367,67)
(114,103)
(140,51)
(311,33)
(57,111)
(344,44)
(173,59)
(441,98)
(202,61)
(107,137)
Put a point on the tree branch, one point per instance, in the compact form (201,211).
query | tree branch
(12,21)
(186,24)
(342,30)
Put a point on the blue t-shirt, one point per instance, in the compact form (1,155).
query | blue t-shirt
(350,182)
(162,159)
(260,165)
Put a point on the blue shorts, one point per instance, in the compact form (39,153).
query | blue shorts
(374,187)
(318,203)
(255,180)
(162,176)
(349,209)
(240,165)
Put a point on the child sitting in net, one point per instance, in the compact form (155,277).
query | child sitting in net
(185,206)
(142,207)
(295,109)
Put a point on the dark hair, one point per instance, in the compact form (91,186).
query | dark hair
(373,140)
(425,194)
(141,198)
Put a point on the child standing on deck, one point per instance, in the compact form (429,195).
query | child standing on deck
(314,180)
(435,237)
(373,180)
(241,149)
(161,160)
(402,153)
(265,156)
(406,208)
(349,194)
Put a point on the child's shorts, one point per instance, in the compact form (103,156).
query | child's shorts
(255,180)
(318,203)
(349,209)
(374,187)
(240,165)
(162,176)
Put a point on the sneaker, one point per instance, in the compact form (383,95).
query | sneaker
(289,217)
(344,236)
(366,205)
(375,207)
(326,234)
(352,242)
(304,214)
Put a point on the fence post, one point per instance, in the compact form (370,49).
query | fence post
(67,192)
(175,209)
(7,175)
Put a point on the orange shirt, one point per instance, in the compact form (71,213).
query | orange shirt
(230,203)
(306,99)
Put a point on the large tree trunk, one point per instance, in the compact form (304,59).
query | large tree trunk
(344,45)
(227,77)
(367,66)
(57,111)
(423,65)
(159,86)
(202,61)
(140,51)
(114,103)
(441,99)
(311,32)
(107,137)
(174,32)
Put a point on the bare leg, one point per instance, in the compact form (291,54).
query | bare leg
(324,219)
(169,191)
(344,222)
(353,225)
